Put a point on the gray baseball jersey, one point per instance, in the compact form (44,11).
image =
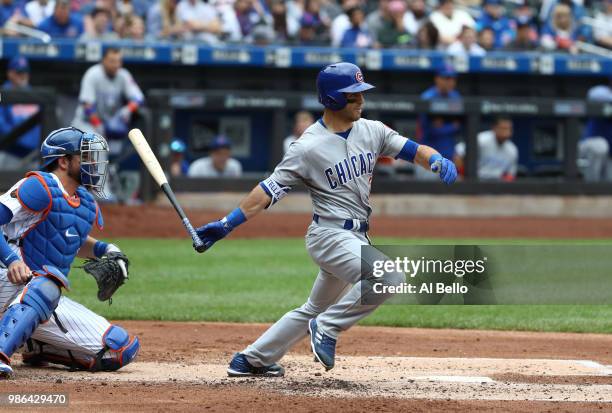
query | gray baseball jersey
(106,93)
(336,170)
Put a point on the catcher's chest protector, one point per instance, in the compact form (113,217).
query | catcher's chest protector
(57,237)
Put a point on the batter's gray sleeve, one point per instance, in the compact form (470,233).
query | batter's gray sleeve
(392,142)
(288,172)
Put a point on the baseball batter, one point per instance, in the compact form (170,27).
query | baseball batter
(45,220)
(335,158)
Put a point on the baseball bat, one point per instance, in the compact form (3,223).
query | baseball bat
(156,171)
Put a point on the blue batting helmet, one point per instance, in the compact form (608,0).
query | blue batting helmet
(337,79)
(92,148)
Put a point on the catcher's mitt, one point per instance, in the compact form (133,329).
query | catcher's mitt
(108,273)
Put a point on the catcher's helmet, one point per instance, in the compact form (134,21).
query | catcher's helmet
(337,79)
(92,148)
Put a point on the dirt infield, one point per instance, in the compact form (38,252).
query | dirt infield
(182,365)
(182,368)
(153,221)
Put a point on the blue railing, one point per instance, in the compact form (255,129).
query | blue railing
(305,57)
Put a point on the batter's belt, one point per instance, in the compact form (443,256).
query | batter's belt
(356,225)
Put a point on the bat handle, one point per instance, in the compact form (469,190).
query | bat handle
(436,167)
(197,242)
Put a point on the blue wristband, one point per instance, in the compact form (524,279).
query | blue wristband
(408,151)
(234,218)
(8,260)
(99,248)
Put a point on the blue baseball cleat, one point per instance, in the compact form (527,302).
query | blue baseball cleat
(323,346)
(6,372)
(240,367)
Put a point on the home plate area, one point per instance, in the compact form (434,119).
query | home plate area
(394,377)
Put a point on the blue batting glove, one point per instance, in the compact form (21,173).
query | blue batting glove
(443,167)
(216,230)
(213,232)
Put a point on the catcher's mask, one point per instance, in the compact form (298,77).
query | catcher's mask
(92,148)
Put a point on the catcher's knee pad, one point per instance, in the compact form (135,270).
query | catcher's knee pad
(119,349)
(38,302)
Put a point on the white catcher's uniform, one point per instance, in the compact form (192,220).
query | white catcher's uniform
(79,330)
(337,170)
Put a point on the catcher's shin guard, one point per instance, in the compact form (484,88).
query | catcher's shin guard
(119,350)
(38,301)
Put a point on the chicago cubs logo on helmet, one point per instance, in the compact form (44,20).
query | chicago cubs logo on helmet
(337,79)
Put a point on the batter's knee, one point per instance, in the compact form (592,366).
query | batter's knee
(119,349)
(310,310)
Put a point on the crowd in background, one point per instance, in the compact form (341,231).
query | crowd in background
(459,26)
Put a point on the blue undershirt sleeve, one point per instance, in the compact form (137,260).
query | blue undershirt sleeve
(7,255)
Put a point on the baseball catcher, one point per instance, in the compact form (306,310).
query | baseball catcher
(45,220)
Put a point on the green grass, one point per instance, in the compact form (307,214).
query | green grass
(259,280)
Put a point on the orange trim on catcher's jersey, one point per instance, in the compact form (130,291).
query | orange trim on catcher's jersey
(74,201)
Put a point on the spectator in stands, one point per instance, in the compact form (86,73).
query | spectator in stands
(392,31)
(199,20)
(131,27)
(440,132)
(493,16)
(449,21)
(419,12)
(108,103)
(594,148)
(101,28)
(314,18)
(548,6)
(497,154)
(63,22)
(414,17)
(563,31)
(295,9)
(427,37)
(9,9)
(179,166)
(278,10)
(263,35)
(132,7)
(524,40)
(250,13)
(313,31)
(356,35)
(341,23)
(11,116)
(375,18)
(602,26)
(163,22)
(218,164)
(86,9)
(39,10)
(466,45)
(303,119)
(525,13)
(486,39)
